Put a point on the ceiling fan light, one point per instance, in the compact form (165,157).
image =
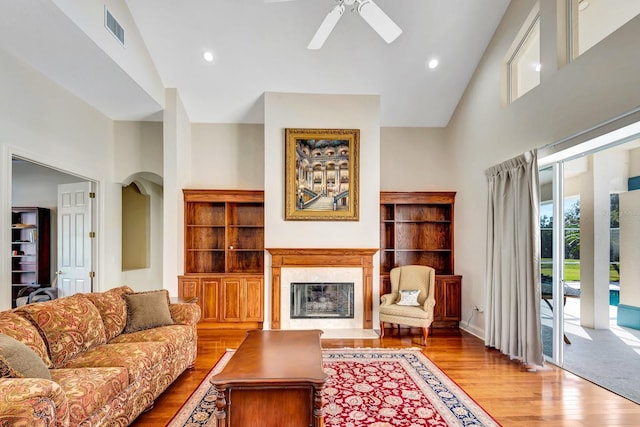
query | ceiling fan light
(326,27)
(378,20)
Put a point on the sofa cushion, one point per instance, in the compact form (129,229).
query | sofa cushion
(147,310)
(112,308)
(136,358)
(70,326)
(90,389)
(175,336)
(16,326)
(19,361)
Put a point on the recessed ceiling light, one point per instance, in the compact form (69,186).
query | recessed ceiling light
(432,64)
(207,56)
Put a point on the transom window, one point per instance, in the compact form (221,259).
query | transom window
(523,65)
(590,21)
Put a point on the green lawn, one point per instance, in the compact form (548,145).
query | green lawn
(572,270)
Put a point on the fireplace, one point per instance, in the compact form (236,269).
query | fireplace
(321,300)
(300,265)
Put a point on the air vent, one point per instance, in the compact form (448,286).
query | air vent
(113,26)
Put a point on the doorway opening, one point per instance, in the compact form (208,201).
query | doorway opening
(71,243)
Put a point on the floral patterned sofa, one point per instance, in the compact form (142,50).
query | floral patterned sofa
(106,357)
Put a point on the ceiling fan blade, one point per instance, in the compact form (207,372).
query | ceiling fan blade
(378,20)
(326,27)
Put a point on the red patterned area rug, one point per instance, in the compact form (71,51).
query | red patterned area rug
(368,387)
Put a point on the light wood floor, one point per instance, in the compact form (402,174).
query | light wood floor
(511,394)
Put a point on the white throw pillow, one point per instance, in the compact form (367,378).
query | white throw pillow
(409,297)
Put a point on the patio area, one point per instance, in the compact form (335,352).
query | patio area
(607,357)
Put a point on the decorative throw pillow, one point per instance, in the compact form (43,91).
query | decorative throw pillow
(19,361)
(146,310)
(409,297)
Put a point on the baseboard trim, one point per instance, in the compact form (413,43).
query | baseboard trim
(472,330)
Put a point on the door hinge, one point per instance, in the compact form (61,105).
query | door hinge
(92,195)
(92,234)
(92,274)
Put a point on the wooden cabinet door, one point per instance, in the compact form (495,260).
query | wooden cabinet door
(242,299)
(188,287)
(253,301)
(448,293)
(210,299)
(231,299)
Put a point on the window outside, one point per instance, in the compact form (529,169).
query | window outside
(594,20)
(524,66)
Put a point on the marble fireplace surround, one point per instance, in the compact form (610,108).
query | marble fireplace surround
(338,258)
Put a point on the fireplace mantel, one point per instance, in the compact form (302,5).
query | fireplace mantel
(325,257)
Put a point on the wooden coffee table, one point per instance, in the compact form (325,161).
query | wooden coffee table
(274,379)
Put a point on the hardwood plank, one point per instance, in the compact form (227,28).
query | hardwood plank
(510,393)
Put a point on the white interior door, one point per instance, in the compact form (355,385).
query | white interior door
(74,238)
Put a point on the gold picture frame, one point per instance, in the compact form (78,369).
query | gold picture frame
(322,174)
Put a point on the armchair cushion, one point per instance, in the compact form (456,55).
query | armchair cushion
(409,297)
(19,361)
(412,312)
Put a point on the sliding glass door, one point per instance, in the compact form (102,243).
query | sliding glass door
(552,255)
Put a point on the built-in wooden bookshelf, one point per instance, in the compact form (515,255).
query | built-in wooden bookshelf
(30,249)
(224,255)
(418,228)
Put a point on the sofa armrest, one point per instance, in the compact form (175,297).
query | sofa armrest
(32,401)
(185,313)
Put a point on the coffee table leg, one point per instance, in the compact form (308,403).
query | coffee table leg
(221,407)
(318,413)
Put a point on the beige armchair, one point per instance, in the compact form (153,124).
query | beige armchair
(419,312)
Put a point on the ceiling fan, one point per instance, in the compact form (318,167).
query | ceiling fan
(368,10)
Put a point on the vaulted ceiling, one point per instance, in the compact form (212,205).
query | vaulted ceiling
(261,46)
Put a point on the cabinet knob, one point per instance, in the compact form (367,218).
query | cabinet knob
(231,247)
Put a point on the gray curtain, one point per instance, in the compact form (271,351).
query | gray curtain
(512,313)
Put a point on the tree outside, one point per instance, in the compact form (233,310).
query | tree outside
(572,242)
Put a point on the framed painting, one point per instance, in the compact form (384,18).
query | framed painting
(322,174)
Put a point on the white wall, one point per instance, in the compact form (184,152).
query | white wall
(288,110)
(41,121)
(601,84)
(135,60)
(415,159)
(138,148)
(629,248)
(227,156)
(177,175)
(284,110)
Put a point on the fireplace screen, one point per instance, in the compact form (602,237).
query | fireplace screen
(322,300)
